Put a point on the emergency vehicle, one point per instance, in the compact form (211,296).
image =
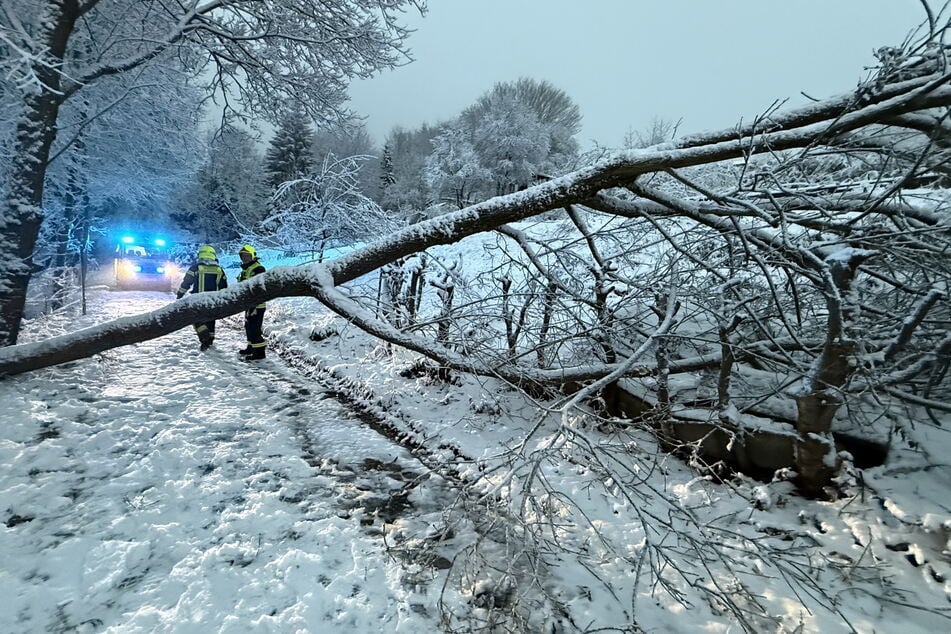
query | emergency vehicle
(144,264)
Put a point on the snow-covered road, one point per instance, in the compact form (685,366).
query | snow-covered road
(162,489)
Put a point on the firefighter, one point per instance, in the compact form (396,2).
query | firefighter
(254,316)
(203,276)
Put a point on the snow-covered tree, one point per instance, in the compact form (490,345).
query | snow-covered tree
(453,170)
(516,130)
(659,130)
(290,152)
(522,129)
(553,107)
(386,168)
(325,207)
(512,143)
(355,141)
(125,158)
(409,150)
(236,159)
(256,55)
(386,175)
(228,191)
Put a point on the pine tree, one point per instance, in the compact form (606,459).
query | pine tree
(289,155)
(386,167)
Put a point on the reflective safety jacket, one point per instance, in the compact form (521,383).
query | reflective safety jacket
(248,271)
(204,275)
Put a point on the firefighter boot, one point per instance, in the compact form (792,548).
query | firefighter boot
(206,339)
(256,353)
(246,351)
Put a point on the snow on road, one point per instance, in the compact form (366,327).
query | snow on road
(161,489)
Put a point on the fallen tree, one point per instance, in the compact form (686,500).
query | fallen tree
(814,199)
(581,187)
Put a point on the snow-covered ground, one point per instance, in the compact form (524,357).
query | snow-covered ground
(160,489)
(157,489)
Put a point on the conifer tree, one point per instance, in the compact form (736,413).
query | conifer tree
(290,154)
(386,167)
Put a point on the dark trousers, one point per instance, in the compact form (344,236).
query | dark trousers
(253,321)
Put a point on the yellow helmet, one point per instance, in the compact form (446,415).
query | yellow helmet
(207,252)
(247,248)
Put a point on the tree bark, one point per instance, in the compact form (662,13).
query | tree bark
(35,132)
(820,398)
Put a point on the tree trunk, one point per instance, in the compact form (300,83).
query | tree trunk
(58,263)
(23,210)
(35,132)
(816,459)
(85,226)
(820,398)
(605,319)
(510,339)
(84,257)
(548,309)
(63,264)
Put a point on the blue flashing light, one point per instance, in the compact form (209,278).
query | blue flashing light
(137,268)
(128,239)
(159,269)
(160,242)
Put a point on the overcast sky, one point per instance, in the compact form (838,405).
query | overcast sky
(624,62)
